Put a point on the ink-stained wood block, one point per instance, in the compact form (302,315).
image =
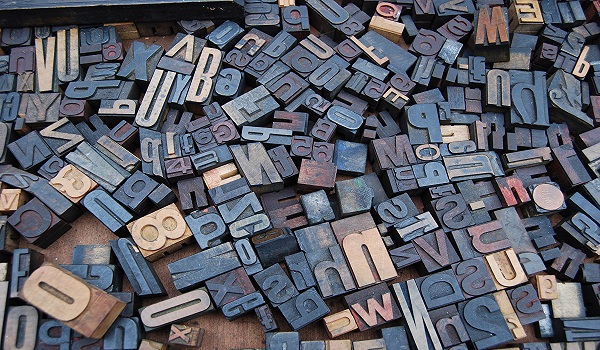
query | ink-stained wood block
(449,325)
(440,289)
(139,272)
(331,271)
(99,169)
(317,208)
(373,306)
(9,241)
(53,334)
(255,165)
(251,108)
(24,262)
(526,304)
(354,196)
(435,250)
(92,312)
(316,176)
(276,285)
(30,151)
(279,340)
(38,224)
(182,336)
(193,270)
(340,323)
(473,277)
(147,344)
(509,314)
(160,232)
(110,213)
(284,209)
(21,327)
(304,309)
(484,322)
(177,309)
(266,319)
(243,305)
(229,286)
(420,327)
(109,278)
(350,158)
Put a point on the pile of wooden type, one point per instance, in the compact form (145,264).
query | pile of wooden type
(426,169)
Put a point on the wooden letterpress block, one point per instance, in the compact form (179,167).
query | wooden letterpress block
(53,334)
(72,183)
(316,176)
(373,306)
(107,210)
(30,150)
(567,265)
(282,340)
(421,329)
(284,209)
(299,314)
(353,196)
(340,323)
(99,169)
(489,237)
(91,313)
(508,312)
(207,226)
(248,256)
(323,262)
(316,207)
(449,325)
(24,262)
(493,331)
(546,287)
(276,285)
(251,108)
(177,309)
(434,294)
(147,344)
(106,277)
(21,327)
(315,237)
(139,272)
(182,336)
(11,200)
(229,286)
(274,245)
(435,250)
(243,305)
(505,269)
(254,163)
(171,228)
(220,175)
(526,304)
(192,270)
(38,224)
(118,154)
(266,319)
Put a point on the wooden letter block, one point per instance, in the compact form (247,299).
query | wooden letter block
(72,183)
(182,336)
(483,318)
(340,323)
(21,327)
(140,273)
(372,306)
(11,200)
(177,309)
(505,269)
(163,231)
(91,311)
(421,329)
